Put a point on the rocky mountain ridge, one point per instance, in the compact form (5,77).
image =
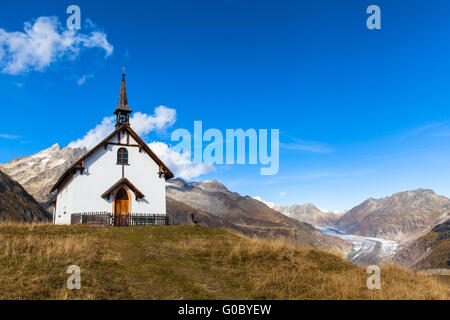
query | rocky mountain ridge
(403,216)
(16,204)
(308,213)
(431,251)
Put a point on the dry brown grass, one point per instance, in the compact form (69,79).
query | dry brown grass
(34,259)
(278,270)
(185,263)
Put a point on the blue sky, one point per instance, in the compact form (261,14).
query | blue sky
(361,113)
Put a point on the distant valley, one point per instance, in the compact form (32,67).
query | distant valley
(377,227)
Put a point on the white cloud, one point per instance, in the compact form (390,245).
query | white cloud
(391,155)
(180,164)
(282,194)
(308,146)
(42,43)
(96,135)
(442,134)
(426,127)
(9,136)
(143,123)
(84,78)
(89,24)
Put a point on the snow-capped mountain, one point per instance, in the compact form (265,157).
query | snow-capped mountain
(271,205)
(37,173)
(308,213)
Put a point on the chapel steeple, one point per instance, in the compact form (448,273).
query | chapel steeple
(123,110)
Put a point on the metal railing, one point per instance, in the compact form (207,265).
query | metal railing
(120,219)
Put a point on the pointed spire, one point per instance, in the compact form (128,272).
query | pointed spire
(123,110)
(123,100)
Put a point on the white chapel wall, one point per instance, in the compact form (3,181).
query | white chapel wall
(82,193)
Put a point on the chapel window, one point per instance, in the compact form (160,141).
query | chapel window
(122,156)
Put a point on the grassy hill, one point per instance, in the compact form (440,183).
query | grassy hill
(184,262)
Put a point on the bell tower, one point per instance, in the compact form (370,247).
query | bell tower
(123,110)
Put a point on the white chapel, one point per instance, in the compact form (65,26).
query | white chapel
(118,178)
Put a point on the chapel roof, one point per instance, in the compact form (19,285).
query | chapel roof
(79,164)
(120,128)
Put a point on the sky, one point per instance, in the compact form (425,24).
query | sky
(361,113)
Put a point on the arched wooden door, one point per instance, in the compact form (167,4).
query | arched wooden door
(121,208)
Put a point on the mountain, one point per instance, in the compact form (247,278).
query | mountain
(18,205)
(311,214)
(214,205)
(308,213)
(430,251)
(402,217)
(38,173)
(271,205)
